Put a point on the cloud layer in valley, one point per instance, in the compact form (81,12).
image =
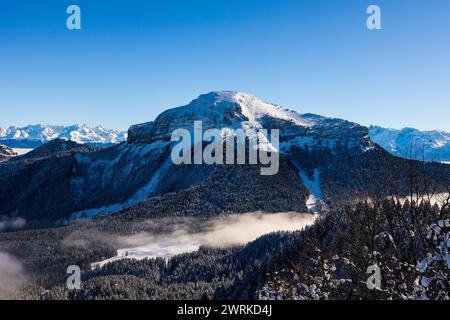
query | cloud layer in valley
(219,232)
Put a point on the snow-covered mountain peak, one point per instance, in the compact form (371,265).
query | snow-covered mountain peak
(248,105)
(216,109)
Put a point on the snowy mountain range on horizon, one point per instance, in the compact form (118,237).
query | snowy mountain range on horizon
(32,136)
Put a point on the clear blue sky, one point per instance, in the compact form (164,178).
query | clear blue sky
(133,59)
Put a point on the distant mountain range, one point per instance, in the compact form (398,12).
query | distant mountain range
(413,143)
(33,136)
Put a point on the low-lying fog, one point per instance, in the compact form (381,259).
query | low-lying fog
(219,232)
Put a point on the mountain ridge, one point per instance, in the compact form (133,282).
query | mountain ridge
(235,109)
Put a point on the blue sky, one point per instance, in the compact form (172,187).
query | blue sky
(133,59)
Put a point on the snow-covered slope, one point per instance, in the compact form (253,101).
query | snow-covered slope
(34,135)
(433,145)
